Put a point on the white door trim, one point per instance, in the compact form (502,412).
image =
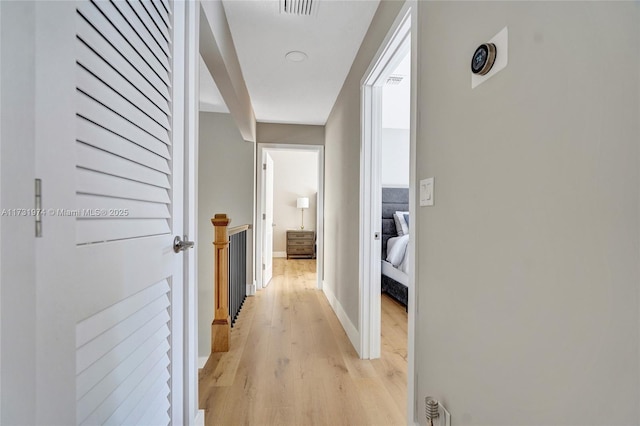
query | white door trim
(179,318)
(402,34)
(192,55)
(267,209)
(392,51)
(262,147)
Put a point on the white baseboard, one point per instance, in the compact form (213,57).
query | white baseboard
(251,289)
(279,254)
(202,360)
(199,418)
(352,332)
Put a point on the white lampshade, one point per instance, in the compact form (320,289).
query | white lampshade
(303,203)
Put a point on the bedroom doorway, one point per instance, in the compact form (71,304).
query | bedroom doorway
(392,68)
(392,53)
(289,175)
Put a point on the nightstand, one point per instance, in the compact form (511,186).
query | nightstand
(301,244)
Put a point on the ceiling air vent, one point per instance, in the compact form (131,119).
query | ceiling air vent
(395,79)
(299,7)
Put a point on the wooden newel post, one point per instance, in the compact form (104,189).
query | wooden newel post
(221,328)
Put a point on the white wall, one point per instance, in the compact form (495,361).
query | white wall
(395,157)
(225,185)
(295,175)
(396,106)
(297,134)
(342,174)
(396,113)
(528,276)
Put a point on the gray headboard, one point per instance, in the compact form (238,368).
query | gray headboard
(393,200)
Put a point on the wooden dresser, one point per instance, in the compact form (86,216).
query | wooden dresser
(301,244)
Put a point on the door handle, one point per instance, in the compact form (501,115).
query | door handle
(181,245)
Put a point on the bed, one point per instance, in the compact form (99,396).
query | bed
(395,280)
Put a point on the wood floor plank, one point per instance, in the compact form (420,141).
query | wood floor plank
(225,371)
(377,401)
(215,406)
(357,368)
(291,363)
(310,402)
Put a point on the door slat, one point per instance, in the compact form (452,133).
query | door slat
(101,52)
(119,39)
(94,183)
(145,27)
(134,209)
(153,394)
(163,13)
(91,231)
(134,40)
(99,137)
(99,91)
(91,158)
(157,41)
(153,366)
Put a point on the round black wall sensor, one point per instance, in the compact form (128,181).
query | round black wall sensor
(483,58)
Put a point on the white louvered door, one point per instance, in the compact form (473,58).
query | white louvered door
(112,105)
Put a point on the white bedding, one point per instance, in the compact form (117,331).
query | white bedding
(397,252)
(394,273)
(396,265)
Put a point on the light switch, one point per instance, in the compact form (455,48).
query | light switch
(426,192)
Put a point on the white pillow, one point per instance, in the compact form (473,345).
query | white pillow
(402,227)
(396,249)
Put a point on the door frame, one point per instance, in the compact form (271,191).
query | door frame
(191,136)
(266,159)
(401,37)
(260,190)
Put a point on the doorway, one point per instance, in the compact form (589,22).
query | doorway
(399,42)
(277,204)
(394,51)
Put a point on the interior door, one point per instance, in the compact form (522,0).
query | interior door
(267,251)
(109,152)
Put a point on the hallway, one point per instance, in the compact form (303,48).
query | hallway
(291,362)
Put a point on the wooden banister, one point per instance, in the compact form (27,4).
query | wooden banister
(221,326)
(237,229)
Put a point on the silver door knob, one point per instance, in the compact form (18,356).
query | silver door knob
(181,245)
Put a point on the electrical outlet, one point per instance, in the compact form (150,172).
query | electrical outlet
(442,418)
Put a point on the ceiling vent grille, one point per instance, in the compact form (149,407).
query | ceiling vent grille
(299,7)
(395,79)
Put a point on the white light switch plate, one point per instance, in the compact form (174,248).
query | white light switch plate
(426,192)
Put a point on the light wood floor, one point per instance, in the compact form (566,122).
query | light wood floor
(291,362)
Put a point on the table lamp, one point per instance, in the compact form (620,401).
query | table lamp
(302,203)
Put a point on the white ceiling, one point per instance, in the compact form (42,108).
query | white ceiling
(296,92)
